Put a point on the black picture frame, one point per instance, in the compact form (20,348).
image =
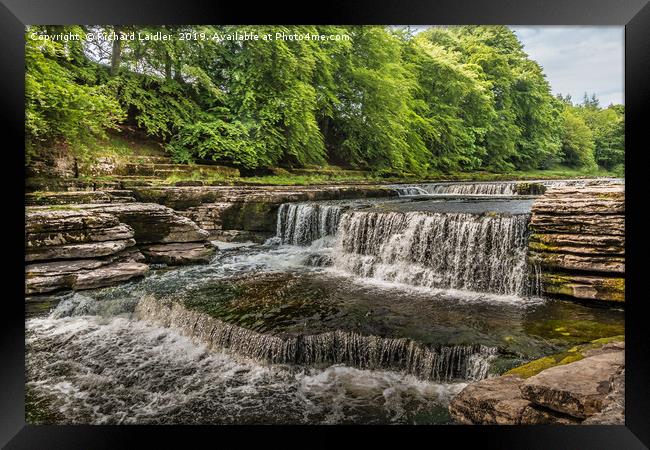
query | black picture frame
(633,14)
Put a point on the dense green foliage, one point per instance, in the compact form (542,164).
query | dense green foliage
(446,99)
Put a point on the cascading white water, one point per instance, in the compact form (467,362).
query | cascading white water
(442,363)
(481,253)
(303,223)
(408,191)
(494,188)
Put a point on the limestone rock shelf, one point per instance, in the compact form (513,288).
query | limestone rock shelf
(92,245)
(588,391)
(578,241)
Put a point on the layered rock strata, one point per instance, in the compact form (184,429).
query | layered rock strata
(248,209)
(578,241)
(589,391)
(92,245)
(75,249)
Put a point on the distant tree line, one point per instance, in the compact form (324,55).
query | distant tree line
(388,100)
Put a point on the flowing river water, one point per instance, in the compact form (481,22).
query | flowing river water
(364,311)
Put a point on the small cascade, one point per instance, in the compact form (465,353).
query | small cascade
(480,253)
(442,363)
(303,223)
(465,188)
(408,191)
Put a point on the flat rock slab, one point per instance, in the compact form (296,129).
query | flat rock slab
(48,220)
(43,277)
(580,263)
(77,251)
(577,389)
(494,401)
(179,253)
(586,287)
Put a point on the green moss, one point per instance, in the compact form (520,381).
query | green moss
(606,288)
(573,354)
(63,208)
(573,331)
(541,247)
(264,303)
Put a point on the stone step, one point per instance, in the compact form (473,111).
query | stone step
(79,197)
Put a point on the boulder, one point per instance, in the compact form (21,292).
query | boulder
(577,389)
(62,237)
(51,220)
(590,387)
(179,253)
(494,401)
(53,234)
(613,412)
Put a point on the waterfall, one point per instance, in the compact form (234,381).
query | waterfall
(481,253)
(490,188)
(407,191)
(303,223)
(441,363)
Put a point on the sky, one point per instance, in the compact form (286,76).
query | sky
(578,59)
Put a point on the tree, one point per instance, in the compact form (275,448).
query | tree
(577,140)
(58,105)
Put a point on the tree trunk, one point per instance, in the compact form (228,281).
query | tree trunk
(168,66)
(116,55)
(177,71)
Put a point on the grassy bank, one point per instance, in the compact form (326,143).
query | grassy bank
(131,148)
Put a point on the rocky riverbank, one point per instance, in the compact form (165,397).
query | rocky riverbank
(589,390)
(578,240)
(92,245)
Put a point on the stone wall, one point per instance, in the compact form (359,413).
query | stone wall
(578,241)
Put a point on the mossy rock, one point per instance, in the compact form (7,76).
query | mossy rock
(573,354)
(530,188)
(250,216)
(573,331)
(263,303)
(602,288)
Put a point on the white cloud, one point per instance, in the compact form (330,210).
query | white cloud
(578,59)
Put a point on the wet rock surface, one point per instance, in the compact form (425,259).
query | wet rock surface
(179,253)
(578,241)
(589,391)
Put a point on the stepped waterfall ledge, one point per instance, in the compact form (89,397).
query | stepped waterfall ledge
(479,253)
(301,223)
(445,363)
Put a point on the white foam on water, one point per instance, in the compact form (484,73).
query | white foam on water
(121,371)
